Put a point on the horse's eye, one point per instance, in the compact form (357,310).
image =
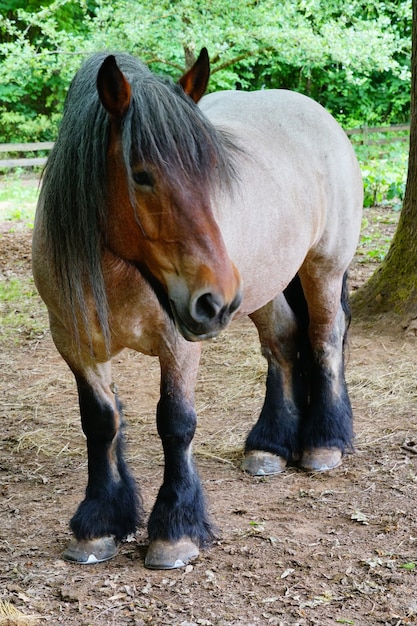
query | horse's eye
(143,178)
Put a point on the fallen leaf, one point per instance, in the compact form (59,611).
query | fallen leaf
(360,517)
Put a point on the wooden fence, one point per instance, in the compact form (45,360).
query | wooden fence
(362,136)
(18,149)
(380,135)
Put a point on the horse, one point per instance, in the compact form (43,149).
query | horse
(164,214)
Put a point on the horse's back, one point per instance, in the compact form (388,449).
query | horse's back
(281,112)
(286,131)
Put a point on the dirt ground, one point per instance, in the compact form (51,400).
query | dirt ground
(295,549)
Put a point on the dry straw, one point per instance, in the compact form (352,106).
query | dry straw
(11,616)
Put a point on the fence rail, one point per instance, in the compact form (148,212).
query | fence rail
(13,148)
(363,136)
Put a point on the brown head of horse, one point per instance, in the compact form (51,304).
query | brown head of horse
(162,162)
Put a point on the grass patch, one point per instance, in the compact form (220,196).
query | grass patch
(18,198)
(21,312)
(378,227)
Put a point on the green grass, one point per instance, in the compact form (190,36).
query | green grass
(18,197)
(378,227)
(375,249)
(22,317)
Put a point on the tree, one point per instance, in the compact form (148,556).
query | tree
(352,57)
(393,287)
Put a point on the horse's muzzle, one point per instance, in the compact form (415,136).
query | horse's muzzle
(204,314)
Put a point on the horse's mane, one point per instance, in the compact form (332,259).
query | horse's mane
(163,127)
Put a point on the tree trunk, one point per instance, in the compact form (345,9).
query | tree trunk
(190,57)
(393,287)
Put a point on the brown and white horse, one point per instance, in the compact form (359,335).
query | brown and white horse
(158,221)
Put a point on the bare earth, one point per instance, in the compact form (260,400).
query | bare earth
(295,549)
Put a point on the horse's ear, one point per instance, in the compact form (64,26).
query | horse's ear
(113,88)
(195,81)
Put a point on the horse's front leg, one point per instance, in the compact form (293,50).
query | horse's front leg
(178,525)
(111,509)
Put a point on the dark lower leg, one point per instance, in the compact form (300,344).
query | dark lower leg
(329,421)
(112,505)
(281,336)
(276,430)
(180,509)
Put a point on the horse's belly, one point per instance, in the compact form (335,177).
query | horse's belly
(267,256)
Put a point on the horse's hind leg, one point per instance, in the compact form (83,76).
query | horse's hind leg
(274,440)
(111,509)
(327,429)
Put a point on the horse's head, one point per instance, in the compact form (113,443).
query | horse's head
(162,159)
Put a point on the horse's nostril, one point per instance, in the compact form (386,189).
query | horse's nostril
(210,306)
(207,307)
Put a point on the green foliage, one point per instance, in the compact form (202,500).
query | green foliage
(384,178)
(16,127)
(383,187)
(353,58)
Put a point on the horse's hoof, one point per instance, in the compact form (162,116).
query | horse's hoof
(88,551)
(259,463)
(321,459)
(171,554)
